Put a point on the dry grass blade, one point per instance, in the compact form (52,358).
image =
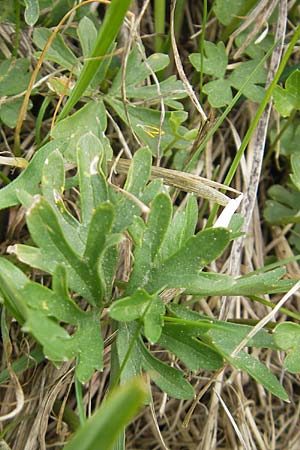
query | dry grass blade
(187,182)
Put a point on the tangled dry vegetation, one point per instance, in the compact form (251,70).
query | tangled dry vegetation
(231,410)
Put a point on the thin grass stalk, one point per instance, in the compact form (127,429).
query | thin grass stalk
(159,24)
(79,400)
(251,129)
(201,46)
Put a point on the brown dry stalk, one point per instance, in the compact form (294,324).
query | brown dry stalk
(187,182)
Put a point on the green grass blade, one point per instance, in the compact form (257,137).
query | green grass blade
(102,429)
(159,24)
(107,33)
(251,129)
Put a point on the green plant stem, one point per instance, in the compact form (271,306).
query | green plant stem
(79,399)
(272,306)
(159,24)
(201,46)
(17,29)
(39,119)
(35,357)
(127,356)
(107,33)
(254,123)
(69,417)
(4,178)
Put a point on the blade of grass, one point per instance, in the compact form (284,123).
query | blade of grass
(107,33)
(79,400)
(159,24)
(201,45)
(102,429)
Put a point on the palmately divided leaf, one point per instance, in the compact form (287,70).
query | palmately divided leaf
(41,311)
(91,118)
(153,237)
(92,180)
(215,59)
(288,99)
(83,270)
(192,256)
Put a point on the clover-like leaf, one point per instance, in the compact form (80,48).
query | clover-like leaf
(41,311)
(287,337)
(254,89)
(288,99)
(219,92)
(283,207)
(215,59)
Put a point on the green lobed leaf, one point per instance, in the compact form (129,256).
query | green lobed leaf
(287,337)
(235,332)
(141,305)
(92,180)
(29,178)
(168,379)
(288,99)
(137,178)
(58,52)
(254,91)
(137,71)
(91,118)
(185,264)
(84,274)
(219,92)
(152,239)
(87,34)
(215,60)
(145,122)
(224,13)
(14,76)
(32,11)
(41,310)
(226,343)
(193,353)
(9,112)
